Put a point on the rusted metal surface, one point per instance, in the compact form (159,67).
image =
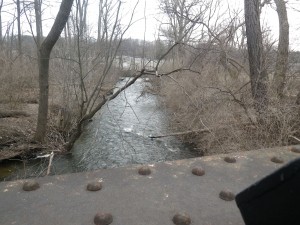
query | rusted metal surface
(133,199)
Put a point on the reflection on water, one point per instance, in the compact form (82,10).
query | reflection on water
(119,135)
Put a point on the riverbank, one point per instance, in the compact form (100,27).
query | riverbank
(18,120)
(217,114)
(17,127)
(118,135)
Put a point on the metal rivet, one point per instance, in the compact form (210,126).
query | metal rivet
(103,218)
(227,195)
(94,186)
(198,171)
(31,185)
(181,219)
(276,159)
(144,170)
(295,149)
(229,159)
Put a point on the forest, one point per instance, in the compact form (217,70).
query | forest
(226,81)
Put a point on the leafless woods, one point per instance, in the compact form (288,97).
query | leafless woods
(215,66)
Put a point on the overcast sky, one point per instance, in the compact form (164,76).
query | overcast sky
(268,19)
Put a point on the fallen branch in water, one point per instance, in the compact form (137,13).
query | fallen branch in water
(295,138)
(181,133)
(50,163)
(201,131)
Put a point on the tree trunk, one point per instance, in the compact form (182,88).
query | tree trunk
(44,52)
(258,73)
(283,48)
(82,10)
(38,16)
(69,34)
(1,34)
(298,99)
(19,27)
(99,36)
(297,121)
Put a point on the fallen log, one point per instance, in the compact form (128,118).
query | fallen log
(181,133)
(202,131)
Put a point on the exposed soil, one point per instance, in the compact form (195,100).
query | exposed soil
(17,127)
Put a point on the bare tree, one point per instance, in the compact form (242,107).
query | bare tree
(178,13)
(68,34)
(91,80)
(100,18)
(283,48)
(81,7)
(258,73)
(19,27)
(39,25)
(226,38)
(1,35)
(44,58)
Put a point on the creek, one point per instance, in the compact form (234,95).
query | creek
(117,136)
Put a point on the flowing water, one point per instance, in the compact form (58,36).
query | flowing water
(118,135)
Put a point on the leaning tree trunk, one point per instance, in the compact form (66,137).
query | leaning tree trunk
(283,48)
(44,57)
(258,73)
